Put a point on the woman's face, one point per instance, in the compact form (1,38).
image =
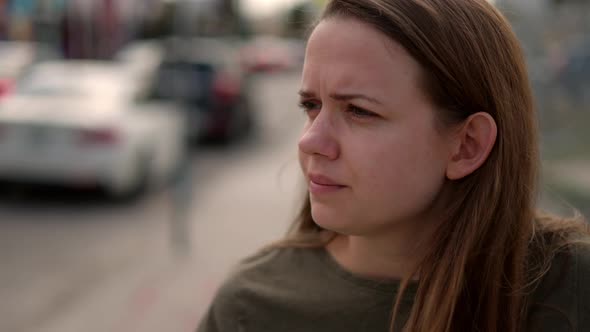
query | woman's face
(369,150)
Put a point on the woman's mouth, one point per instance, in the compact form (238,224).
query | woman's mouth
(320,184)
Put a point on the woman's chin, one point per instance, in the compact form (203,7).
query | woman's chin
(333,221)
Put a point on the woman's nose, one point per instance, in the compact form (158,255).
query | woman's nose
(319,137)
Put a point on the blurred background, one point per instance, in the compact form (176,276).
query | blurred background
(147,145)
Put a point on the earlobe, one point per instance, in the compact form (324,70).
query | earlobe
(474,144)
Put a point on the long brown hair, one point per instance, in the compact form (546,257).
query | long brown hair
(492,247)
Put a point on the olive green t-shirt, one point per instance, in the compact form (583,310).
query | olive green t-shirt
(306,290)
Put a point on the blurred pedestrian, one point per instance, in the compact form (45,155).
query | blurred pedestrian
(421,156)
(182,194)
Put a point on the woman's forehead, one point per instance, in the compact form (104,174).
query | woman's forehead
(348,54)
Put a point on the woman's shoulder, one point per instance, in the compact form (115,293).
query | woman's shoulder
(561,302)
(269,268)
(275,262)
(253,282)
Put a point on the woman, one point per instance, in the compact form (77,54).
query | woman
(420,152)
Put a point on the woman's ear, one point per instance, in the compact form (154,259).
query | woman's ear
(472,145)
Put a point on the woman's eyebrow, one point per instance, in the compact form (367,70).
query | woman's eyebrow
(349,96)
(306,94)
(342,96)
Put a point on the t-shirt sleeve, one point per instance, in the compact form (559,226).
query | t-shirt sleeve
(583,265)
(210,322)
(562,302)
(233,300)
(223,314)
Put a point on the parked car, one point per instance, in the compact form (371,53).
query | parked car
(83,123)
(272,54)
(205,76)
(14,58)
(141,58)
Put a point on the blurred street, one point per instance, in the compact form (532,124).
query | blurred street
(75,261)
(102,97)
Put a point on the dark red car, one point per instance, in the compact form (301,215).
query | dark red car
(205,76)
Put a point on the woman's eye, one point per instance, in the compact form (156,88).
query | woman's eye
(359,112)
(308,105)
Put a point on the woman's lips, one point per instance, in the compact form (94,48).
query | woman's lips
(319,184)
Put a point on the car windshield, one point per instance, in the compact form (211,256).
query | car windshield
(182,80)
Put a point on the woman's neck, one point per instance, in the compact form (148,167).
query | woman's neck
(384,256)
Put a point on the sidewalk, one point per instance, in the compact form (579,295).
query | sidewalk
(246,207)
(165,296)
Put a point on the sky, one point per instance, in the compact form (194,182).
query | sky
(262,8)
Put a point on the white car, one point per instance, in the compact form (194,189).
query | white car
(141,59)
(84,123)
(14,58)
